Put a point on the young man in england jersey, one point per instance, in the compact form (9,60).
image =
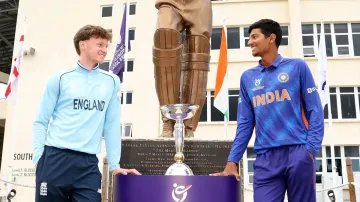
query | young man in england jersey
(84,105)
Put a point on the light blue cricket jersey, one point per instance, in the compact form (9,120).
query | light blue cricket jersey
(83,105)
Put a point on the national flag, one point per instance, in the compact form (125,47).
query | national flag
(118,63)
(221,97)
(12,86)
(323,88)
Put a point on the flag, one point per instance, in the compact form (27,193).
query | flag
(322,66)
(118,62)
(221,97)
(12,85)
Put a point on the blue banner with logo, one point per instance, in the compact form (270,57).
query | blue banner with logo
(158,188)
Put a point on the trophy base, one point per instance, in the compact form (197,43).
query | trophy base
(180,169)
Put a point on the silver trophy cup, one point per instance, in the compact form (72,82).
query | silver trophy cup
(179,112)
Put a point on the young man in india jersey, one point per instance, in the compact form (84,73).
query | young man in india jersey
(278,99)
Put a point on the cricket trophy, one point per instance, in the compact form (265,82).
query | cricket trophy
(179,182)
(179,113)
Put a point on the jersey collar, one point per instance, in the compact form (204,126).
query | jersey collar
(276,63)
(82,68)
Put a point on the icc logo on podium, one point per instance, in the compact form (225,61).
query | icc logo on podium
(180,191)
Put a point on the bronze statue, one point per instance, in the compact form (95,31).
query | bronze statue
(181,69)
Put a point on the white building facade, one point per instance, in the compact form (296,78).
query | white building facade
(50,31)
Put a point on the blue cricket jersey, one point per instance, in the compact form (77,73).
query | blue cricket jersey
(83,105)
(282,104)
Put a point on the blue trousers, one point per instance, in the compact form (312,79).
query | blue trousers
(67,176)
(288,168)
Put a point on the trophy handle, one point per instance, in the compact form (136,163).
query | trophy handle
(179,134)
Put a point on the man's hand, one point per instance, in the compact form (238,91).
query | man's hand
(123,171)
(230,169)
(311,155)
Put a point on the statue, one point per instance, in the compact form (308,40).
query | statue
(181,69)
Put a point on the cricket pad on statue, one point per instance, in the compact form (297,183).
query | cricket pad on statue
(195,68)
(167,52)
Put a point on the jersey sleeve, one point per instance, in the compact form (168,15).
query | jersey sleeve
(46,107)
(245,124)
(312,109)
(112,132)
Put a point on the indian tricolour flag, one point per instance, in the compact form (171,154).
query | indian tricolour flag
(221,97)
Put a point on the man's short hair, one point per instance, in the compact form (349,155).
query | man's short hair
(88,31)
(267,27)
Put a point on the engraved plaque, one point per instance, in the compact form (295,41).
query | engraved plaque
(153,157)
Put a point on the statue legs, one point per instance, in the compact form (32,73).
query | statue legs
(195,68)
(167,52)
(189,62)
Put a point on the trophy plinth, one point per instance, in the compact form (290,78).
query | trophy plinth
(179,112)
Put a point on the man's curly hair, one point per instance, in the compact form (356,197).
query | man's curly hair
(88,31)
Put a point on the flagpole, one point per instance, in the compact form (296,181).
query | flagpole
(15,109)
(226,124)
(332,139)
(124,94)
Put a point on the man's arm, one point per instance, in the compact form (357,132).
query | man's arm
(46,107)
(245,124)
(112,132)
(312,108)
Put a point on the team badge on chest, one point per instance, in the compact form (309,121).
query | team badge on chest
(283,77)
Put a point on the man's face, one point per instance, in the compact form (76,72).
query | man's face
(95,49)
(259,43)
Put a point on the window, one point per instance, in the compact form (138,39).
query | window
(344,103)
(216,38)
(233,104)
(132,10)
(238,37)
(105,66)
(128,130)
(132,34)
(128,98)
(353,153)
(130,65)
(212,114)
(251,157)
(233,38)
(355,28)
(337,160)
(358,99)
(3,87)
(347,102)
(333,102)
(341,39)
(106,11)
(319,167)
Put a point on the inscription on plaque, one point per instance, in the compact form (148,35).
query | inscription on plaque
(153,157)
